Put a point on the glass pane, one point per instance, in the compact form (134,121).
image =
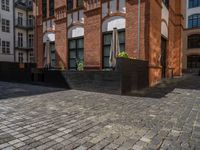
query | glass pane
(122,37)
(80,43)
(53,56)
(80,54)
(106,51)
(72,44)
(72,54)
(53,63)
(72,63)
(106,62)
(122,47)
(107,39)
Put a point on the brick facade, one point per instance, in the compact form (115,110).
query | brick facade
(94,17)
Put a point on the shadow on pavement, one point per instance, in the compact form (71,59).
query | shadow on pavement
(187,81)
(14,90)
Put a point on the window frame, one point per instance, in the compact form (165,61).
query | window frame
(193,3)
(79,3)
(51,8)
(76,49)
(193,62)
(5,25)
(71,6)
(44,8)
(20,57)
(192,40)
(5,47)
(5,5)
(192,19)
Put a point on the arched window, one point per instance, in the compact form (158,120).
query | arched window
(194,21)
(107,29)
(194,3)
(75,47)
(194,41)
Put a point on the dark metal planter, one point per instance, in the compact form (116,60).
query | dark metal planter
(129,75)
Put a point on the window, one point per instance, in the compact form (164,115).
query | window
(194,3)
(51,7)
(107,38)
(44,8)
(92,4)
(20,40)
(20,19)
(76,48)
(194,41)
(193,61)
(5,25)
(30,20)
(30,40)
(31,56)
(53,54)
(20,57)
(30,3)
(166,2)
(5,47)
(5,5)
(194,21)
(69,4)
(79,3)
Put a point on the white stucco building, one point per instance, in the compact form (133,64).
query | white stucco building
(16,31)
(23,31)
(6,31)
(191,38)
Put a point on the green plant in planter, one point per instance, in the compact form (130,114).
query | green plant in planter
(123,55)
(80,65)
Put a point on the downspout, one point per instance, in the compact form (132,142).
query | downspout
(139,28)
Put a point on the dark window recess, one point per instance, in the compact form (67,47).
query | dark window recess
(53,54)
(79,3)
(69,4)
(44,8)
(107,38)
(51,7)
(194,41)
(166,2)
(76,52)
(193,61)
(194,3)
(194,21)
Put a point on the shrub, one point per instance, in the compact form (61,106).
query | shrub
(80,65)
(123,55)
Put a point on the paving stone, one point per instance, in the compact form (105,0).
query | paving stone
(52,118)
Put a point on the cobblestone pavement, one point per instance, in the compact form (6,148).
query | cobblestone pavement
(35,117)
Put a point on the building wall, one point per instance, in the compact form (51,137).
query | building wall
(25,31)
(155,21)
(187,32)
(7,36)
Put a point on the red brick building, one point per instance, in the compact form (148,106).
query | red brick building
(81,29)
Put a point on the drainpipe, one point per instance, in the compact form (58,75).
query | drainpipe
(139,23)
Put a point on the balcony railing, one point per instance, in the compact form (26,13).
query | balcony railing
(24,5)
(24,23)
(23,45)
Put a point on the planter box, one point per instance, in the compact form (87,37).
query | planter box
(129,75)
